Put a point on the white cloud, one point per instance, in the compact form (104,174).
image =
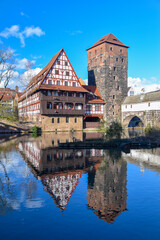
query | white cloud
(143,85)
(26,77)
(14,31)
(23,63)
(30,31)
(14,75)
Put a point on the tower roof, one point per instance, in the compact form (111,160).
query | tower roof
(109,38)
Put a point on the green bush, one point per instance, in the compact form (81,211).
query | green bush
(115,130)
(148,130)
(35,131)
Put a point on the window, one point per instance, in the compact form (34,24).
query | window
(69,106)
(122,59)
(52,122)
(65,94)
(49,82)
(49,105)
(120,50)
(110,48)
(113,106)
(101,49)
(95,51)
(49,93)
(49,157)
(97,107)
(58,82)
(113,96)
(56,71)
(81,95)
(126,106)
(116,59)
(66,63)
(114,77)
(58,62)
(70,94)
(90,54)
(67,119)
(118,87)
(74,84)
(77,94)
(55,93)
(79,106)
(113,113)
(66,83)
(67,73)
(149,104)
(59,93)
(131,106)
(75,120)
(58,120)
(114,68)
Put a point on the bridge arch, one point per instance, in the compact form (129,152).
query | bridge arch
(133,121)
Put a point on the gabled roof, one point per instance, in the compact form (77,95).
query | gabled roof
(81,81)
(37,80)
(109,38)
(147,97)
(42,74)
(94,90)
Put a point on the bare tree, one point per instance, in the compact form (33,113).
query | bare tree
(7,64)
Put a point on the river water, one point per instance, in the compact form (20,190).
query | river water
(51,193)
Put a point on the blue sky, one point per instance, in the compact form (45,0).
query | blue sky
(47,26)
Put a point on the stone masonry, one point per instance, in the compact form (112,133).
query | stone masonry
(107,64)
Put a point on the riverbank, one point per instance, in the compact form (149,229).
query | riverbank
(121,144)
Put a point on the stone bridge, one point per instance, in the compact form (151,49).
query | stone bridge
(142,109)
(141,118)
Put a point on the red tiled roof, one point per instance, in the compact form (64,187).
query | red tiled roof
(109,38)
(96,101)
(42,74)
(7,96)
(62,88)
(92,89)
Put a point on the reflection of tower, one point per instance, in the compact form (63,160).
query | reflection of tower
(107,192)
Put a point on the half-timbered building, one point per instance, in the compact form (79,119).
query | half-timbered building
(54,98)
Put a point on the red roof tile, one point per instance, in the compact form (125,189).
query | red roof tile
(62,88)
(109,38)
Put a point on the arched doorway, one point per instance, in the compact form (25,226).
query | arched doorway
(135,122)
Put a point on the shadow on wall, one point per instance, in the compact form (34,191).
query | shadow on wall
(91,78)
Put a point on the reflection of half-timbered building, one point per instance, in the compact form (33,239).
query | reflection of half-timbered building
(58,169)
(56,99)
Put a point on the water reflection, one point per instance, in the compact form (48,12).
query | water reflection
(59,172)
(58,169)
(107,192)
